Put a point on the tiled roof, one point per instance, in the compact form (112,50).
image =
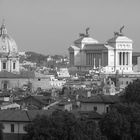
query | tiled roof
(88,114)
(101,99)
(110,98)
(95,47)
(6,74)
(13,116)
(91,114)
(78,41)
(33,113)
(74,47)
(119,38)
(93,99)
(21,115)
(25,74)
(40,98)
(109,47)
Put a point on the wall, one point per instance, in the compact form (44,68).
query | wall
(14,82)
(111,57)
(124,81)
(101,107)
(83,58)
(77,58)
(68,107)
(19,127)
(105,59)
(43,83)
(13,136)
(17,135)
(138,63)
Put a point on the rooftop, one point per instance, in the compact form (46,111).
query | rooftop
(23,74)
(21,115)
(101,99)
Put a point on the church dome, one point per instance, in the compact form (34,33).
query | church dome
(7,44)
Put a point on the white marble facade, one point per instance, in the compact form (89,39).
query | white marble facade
(114,55)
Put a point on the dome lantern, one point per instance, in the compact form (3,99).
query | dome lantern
(9,57)
(3,29)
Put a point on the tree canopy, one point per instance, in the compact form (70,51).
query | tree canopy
(123,121)
(132,92)
(61,125)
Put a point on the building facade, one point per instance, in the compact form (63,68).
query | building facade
(9,57)
(11,77)
(114,55)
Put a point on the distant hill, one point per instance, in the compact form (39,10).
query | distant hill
(36,57)
(41,60)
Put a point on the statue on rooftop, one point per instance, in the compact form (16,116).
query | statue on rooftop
(121,29)
(85,34)
(87,30)
(119,33)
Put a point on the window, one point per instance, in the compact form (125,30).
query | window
(14,65)
(5,86)
(12,128)
(107,109)
(95,108)
(127,82)
(4,65)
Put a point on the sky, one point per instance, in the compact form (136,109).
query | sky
(51,26)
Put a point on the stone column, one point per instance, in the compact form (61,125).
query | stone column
(92,59)
(125,58)
(118,58)
(121,58)
(89,58)
(94,63)
(99,62)
(86,58)
(128,58)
